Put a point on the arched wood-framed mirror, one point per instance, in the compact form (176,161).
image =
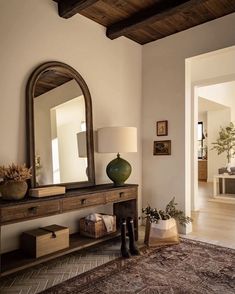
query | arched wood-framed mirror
(60,144)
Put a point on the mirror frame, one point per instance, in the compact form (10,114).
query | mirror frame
(30,90)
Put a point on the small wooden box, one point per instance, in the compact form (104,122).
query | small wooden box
(95,229)
(46,191)
(46,240)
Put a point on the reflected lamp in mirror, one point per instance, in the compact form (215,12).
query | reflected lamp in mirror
(117,140)
(82,148)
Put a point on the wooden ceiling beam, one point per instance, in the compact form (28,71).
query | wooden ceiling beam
(68,8)
(149,16)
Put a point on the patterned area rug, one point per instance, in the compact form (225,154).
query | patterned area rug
(190,267)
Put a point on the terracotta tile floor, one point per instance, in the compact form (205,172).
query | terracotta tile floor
(41,277)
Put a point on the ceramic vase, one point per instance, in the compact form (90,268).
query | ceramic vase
(118,170)
(13,190)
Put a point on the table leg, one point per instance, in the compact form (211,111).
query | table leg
(0,250)
(223,186)
(215,187)
(126,209)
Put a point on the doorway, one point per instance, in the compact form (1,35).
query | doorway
(207,100)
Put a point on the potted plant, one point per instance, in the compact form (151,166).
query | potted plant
(226,143)
(14,177)
(161,226)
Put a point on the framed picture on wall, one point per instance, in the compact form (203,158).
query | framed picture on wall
(162,128)
(162,147)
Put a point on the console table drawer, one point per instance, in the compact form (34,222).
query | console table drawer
(121,195)
(74,203)
(27,211)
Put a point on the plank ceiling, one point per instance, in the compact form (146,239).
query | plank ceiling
(144,21)
(49,80)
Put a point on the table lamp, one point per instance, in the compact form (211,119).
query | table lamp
(82,147)
(81,141)
(117,140)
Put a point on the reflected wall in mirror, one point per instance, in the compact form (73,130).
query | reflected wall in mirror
(60,127)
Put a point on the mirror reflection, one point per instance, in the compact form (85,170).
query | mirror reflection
(59,130)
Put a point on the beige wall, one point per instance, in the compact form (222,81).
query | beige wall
(164,97)
(221,64)
(33,33)
(112,70)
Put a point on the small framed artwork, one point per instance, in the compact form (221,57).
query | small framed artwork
(162,128)
(162,147)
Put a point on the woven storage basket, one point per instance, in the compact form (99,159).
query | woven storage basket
(95,229)
(164,232)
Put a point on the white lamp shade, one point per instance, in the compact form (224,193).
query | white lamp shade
(117,139)
(81,139)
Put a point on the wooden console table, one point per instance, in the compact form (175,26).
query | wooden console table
(125,203)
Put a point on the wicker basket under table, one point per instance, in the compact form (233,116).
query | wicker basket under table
(95,229)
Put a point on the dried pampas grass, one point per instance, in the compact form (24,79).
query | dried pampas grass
(15,172)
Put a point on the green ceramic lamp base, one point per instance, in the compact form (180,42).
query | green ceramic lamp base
(118,170)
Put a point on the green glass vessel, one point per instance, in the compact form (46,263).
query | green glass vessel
(118,170)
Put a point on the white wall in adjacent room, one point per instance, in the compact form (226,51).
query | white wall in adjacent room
(111,69)
(220,108)
(223,93)
(202,117)
(216,120)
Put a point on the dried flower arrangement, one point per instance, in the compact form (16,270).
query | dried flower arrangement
(15,172)
(170,212)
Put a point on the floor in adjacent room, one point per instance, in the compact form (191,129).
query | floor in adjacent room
(215,221)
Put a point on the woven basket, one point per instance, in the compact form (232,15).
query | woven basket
(95,229)
(164,232)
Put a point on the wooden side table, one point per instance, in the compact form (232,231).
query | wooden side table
(223,177)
